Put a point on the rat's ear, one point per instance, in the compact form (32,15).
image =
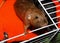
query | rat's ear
(29,17)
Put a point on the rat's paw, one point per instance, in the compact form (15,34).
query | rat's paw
(25,33)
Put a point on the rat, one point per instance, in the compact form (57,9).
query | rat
(30,14)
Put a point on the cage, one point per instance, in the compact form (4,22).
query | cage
(45,34)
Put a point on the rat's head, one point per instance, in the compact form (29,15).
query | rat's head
(37,18)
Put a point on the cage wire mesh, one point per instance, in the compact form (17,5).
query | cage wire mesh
(50,9)
(52,29)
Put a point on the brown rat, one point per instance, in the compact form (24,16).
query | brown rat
(30,14)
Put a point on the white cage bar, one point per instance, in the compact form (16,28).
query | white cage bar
(41,27)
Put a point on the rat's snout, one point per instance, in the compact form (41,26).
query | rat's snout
(44,22)
(40,21)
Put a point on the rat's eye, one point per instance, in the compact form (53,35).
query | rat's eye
(36,17)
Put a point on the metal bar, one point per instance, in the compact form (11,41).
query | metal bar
(43,38)
(41,28)
(11,38)
(39,36)
(41,0)
(29,32)
(23,34)
(54,12)
(35,30)
(52,7)
(49,3)
(53,35)
(48,14)
(56,17)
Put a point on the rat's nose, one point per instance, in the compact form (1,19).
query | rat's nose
(44,25)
